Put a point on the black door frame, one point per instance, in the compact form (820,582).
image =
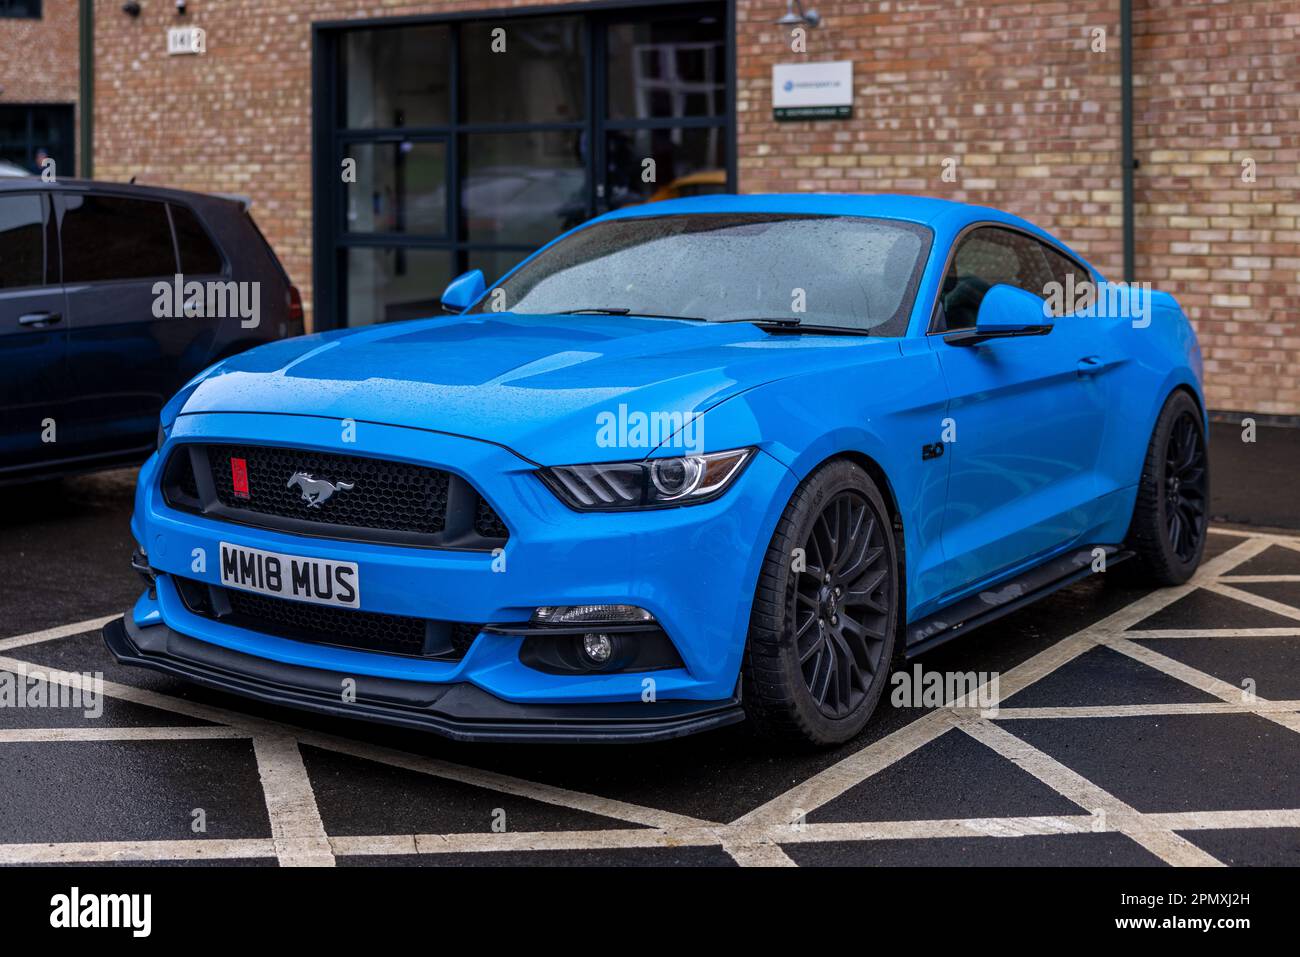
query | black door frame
(328,238)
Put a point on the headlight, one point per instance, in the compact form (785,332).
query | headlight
(655,483)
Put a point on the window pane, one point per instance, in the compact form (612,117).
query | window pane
(52,137)
(395,77)
(687,162)
(198,256)
(985,258)
(13,135)
(401,187)
(22,257)
(20,8)
(386,285)
(661,68)
(107,238)
(538,78)
(523,188)
(1062,268)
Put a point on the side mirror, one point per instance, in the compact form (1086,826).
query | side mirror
(463,291)
(1005,311)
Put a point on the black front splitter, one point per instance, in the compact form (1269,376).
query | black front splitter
(462,712)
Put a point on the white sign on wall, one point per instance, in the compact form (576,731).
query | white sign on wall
(181,40)
(812,91)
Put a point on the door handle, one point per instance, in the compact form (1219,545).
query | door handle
(40,319)
(1089,365)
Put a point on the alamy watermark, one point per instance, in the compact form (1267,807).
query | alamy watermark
(213,299)
(32,688)
(1113,300)
(634,429)
(954,689)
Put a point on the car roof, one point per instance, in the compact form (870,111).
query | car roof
(28,183)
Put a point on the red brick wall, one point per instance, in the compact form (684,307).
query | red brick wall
(1008,88)
(1219,83)
(39,59)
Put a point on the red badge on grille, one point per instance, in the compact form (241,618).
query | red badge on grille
(239,477)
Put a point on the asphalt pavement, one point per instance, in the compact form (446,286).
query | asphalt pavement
(1133,727)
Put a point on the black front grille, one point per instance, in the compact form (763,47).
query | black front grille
(333,495)
(488,523)
(372,493)
(324,625)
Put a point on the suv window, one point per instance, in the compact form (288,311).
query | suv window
(198,256)
(110,237)
(22,241)
(985,257)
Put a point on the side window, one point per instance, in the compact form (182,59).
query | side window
(984,258)
(1069,274)
(198,256)
(22,241)
(109,237)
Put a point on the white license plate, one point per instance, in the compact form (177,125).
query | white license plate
(315,580)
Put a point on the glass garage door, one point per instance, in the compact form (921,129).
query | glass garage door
(447,146)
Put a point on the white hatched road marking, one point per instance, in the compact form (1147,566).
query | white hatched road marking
(50,634)
(1165,844)
(299,837)
(296,826)
(196,733)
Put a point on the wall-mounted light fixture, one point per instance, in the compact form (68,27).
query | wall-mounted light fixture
(180,8)
(131,8)
(795,15)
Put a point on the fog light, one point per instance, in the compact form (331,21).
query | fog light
(598,648)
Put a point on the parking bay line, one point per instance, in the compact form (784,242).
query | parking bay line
(1143,710)
(1153,633)
(60,631)
(95,852)
(1259,601)
(296,826)
(77,733)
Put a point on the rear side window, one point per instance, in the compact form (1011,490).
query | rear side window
(1062,267)
(109,237)
(198,256)
(22,241)
(985,257)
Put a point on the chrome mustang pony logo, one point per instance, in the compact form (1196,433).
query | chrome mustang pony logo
(316,492)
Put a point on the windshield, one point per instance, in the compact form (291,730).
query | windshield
(843,271)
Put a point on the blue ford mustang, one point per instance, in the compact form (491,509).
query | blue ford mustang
(692,462)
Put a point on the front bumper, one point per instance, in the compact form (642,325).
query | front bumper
(458,711)
(693,568)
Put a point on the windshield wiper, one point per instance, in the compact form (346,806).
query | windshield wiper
(593,311)
(622,311)
(795,324)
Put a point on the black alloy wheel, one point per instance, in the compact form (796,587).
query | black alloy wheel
(840,605)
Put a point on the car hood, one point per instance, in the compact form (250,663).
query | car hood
(539,385)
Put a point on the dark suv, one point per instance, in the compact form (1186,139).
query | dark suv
(111,298)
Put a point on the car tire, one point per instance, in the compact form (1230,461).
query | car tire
(815,681)
(1168,529)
